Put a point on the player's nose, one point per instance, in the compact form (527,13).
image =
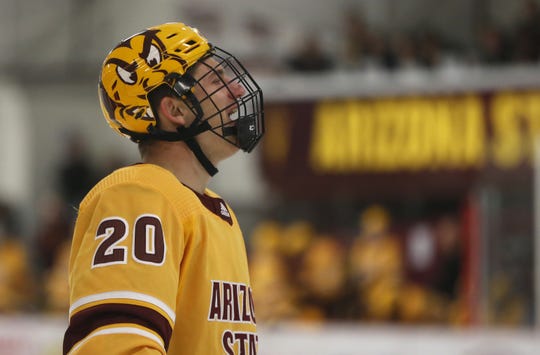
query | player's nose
(236,89)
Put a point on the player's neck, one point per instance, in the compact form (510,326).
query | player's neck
(179,160)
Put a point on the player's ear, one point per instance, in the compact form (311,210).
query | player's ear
(173,110)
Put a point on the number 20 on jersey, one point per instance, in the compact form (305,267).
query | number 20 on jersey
(147,247)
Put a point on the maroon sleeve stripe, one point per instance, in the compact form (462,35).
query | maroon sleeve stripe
(84,322)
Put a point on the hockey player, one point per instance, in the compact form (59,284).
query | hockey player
(158,262)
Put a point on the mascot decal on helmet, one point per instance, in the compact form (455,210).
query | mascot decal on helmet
(127,74)
(136,66)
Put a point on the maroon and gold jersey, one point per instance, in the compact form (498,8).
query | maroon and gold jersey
(156,268)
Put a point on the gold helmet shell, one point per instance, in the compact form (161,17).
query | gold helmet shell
(141,63)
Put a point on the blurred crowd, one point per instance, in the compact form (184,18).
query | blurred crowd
(375,273)
(364,47)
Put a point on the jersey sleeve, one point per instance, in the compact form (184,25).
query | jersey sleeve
(124,272)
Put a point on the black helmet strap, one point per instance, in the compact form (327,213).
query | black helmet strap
(201,157)
(193,130)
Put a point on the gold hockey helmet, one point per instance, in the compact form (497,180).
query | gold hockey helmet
(166,56)
(139,64)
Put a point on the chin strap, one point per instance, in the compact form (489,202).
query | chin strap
(193,131)
(201,157)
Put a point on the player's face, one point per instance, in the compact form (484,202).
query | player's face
(218,90)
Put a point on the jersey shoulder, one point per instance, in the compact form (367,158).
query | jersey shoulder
(140,179)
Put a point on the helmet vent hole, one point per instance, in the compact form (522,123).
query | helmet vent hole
(189,49)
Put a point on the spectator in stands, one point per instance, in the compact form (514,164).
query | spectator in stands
(76,174)
(296,237)
(16,278)
(376,266)
(492,46)
(309,56)
(527,34)
(55,281)
(54,227)
(52,240)
(274,294)
(358,40)
(450,256)
(430,51)
(401,53)
(322,279)
(433,293)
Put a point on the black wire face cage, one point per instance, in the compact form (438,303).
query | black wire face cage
(231,102)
